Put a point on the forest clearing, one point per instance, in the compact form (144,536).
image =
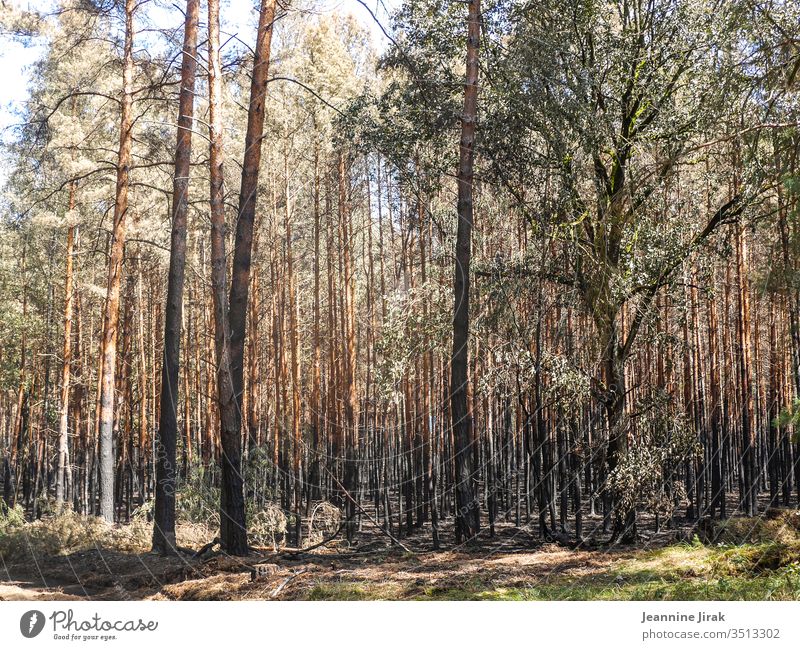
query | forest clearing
(401,300)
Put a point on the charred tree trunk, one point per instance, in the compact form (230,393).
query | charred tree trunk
(164,524)
(233,527)
(233,534)
(614,406)
(467,508)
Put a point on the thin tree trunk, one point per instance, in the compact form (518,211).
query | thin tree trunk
(749,498)
(467,509)
(294,356)
(111,315)
(66,360)
(233,534)
(164,524)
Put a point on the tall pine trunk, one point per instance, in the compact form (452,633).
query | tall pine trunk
(467,509)
(66,360)
(233,531)
(233,534)
(164,524)
(111,315)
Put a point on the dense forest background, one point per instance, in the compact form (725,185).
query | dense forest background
(524,264)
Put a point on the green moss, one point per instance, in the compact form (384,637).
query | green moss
(761,588)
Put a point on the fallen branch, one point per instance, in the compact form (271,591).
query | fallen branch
(205,549)
(325,541)
(280,587)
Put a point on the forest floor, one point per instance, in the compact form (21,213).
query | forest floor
(749,559)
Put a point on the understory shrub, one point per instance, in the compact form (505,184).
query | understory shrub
(66,532)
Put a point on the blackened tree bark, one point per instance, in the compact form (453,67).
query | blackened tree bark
(233,531)
(749,460)
(467,509)
(240,282)
(164,525)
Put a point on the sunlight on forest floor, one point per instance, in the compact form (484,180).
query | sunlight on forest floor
(72,557)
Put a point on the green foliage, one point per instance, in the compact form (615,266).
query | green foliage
(196,498)
(197,503)
(416,318)
(666,439)
(10,518)
(790,416)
